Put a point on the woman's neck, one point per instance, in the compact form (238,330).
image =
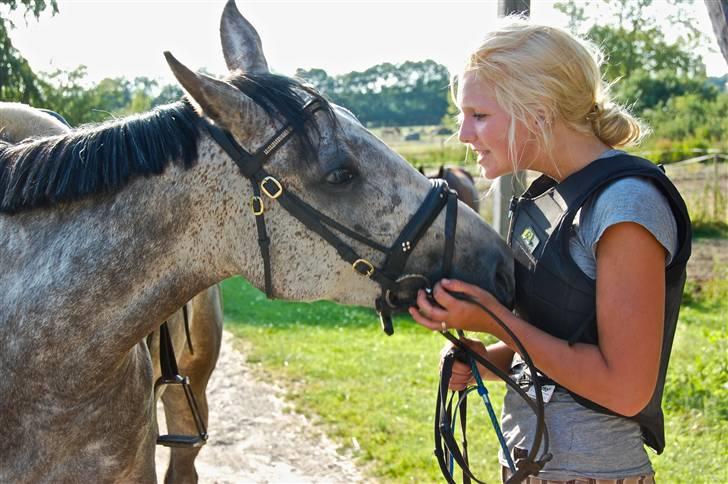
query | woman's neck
(570,152)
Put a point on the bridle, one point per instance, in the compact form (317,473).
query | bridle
(399,289)
(390,276)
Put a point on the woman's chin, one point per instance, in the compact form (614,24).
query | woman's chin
(490,173)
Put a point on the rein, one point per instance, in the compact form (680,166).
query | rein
(445,444)
(391,276)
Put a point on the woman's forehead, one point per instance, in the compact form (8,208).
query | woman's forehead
(475,91)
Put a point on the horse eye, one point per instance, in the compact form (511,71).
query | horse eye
(339,176)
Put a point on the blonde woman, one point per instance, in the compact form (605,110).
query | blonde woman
(601,241)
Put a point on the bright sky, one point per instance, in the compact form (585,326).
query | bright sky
(127,38)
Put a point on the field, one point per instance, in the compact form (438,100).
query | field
(376,394)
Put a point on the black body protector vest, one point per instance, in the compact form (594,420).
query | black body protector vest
(553,293)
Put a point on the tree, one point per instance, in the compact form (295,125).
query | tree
(18,82)
(410,93)
(633,40)
(645,90)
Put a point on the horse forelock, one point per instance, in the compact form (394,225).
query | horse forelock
(96,159)
(285,99)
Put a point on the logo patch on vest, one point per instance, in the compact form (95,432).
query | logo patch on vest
(529,239)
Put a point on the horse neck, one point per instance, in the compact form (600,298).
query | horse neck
(108,270)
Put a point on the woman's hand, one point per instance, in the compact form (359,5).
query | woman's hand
(462,375)
(450,312)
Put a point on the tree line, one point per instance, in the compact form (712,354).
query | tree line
(663,80)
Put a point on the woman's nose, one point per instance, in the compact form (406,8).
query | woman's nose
(465,133)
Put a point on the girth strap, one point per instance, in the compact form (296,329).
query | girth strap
(186,317)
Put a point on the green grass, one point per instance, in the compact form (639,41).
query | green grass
(710,230)
(696,393)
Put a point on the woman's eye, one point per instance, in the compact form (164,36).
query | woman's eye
(339,176)
(479,116)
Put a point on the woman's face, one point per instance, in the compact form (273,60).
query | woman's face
(484,126)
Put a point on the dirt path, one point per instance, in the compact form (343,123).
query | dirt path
(255,437)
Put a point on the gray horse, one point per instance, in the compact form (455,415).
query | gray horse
(196,356)
(107,230)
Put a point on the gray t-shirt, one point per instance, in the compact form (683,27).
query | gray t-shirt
(586,443)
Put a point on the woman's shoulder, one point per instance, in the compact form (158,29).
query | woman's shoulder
(630,199)
(631,192)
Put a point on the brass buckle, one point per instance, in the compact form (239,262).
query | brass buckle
(368,265)
(279,188)
(256,204)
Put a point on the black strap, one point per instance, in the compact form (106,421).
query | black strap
(167,360)
(186,317)
(451,220)
(446,446)
(416,227)
(263,239)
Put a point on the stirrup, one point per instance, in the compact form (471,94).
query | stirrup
(178,440)
(171,376)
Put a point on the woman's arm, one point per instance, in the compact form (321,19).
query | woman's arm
(621,372)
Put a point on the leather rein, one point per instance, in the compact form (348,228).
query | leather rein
(390,276)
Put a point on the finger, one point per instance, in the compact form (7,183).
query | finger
(456,386)
(460,382)
(430,310)
(443,297)
(456,285)
(424,321)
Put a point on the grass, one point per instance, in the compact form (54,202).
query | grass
(710,229)
(375,394)
(696,393)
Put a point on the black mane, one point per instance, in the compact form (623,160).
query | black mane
(106,157)
(96,159)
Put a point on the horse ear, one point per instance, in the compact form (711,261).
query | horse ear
(207,94)
(241,44)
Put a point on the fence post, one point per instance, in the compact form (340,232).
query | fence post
(505,185)
(716,187)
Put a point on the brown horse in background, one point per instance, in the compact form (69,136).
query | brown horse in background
(196,357)
(460,180)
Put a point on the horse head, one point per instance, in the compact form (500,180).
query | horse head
(339,169)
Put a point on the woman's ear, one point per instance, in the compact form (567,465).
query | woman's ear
(542,117)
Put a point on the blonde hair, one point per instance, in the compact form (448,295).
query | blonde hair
(542,73)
